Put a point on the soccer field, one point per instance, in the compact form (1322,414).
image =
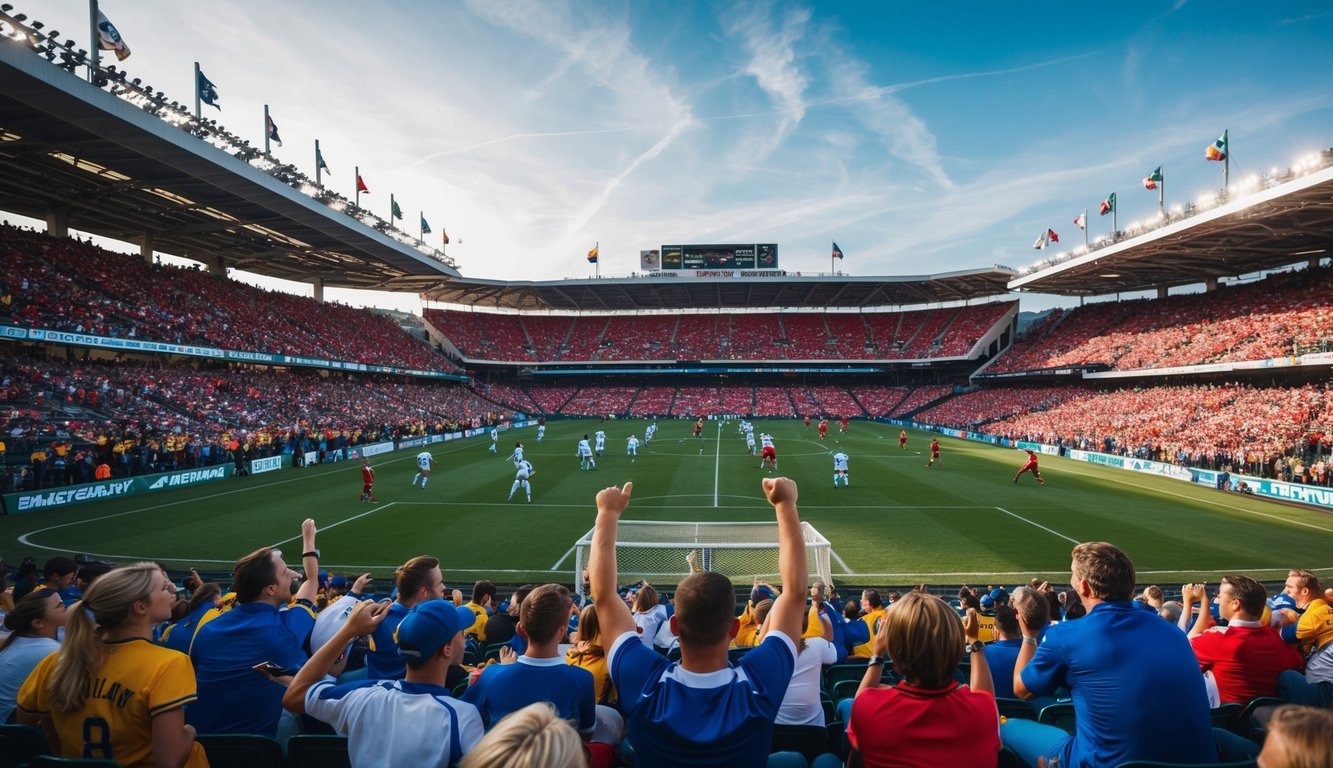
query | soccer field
(898,523)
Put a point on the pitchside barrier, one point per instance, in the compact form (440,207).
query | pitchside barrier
(655,551)
(1313,495)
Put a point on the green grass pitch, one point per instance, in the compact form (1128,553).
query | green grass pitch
(963,521)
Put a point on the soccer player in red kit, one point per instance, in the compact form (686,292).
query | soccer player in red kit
(367,482)
(845,422)
(1031,466)
(699,428)
(902,439)
(807,423)
(934,452)
(823,429)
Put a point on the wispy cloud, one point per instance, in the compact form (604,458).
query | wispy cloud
(769,41)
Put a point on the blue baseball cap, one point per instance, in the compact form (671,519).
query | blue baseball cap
(1280,601)
(987,601)
(999,595)
(429,627)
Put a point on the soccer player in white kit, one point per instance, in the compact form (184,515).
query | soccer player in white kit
(648,433)
(840,469)
(632,447)
(585,455)
(517,455)
(749,441)
(424,463)
(495,440)
(599,438)
(541,432)
(525,471)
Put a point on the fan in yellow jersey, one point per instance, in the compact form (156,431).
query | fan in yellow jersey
(109,692)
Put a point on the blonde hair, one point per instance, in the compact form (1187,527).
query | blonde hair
(925,639)
(1304,732)
(532,736)
(109,601)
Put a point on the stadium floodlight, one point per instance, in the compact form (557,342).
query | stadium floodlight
(36,25)
(19,17)
(6,8)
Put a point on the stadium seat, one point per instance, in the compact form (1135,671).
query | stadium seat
(1015,708)
(1225,716)
(241,750)
(21,743)
(51,761)
(1061,715)
(807,740)
(460,688)
(787,760)
(1245,724)
(845,689)
(493,651)
(305,751)
(848,670)
(1156,764)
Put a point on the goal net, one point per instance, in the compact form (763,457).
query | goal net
(655,551)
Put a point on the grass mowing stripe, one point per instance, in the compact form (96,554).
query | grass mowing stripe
(1039,525)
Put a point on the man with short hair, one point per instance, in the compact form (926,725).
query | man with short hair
(261,629)
(873,606)
(1313,631)
(541,673)
(59,573)
(483,600)
(417,580)
(1245,656)
(408,722)
(702,710)
(1137,691)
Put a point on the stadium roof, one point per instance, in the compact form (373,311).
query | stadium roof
(120,171)
(1287,222)
(664,290)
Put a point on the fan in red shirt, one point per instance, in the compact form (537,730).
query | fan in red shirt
(367,482)
(1246,656)
(1030,466)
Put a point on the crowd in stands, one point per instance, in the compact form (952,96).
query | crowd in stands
(878,400)
(67,285)
(919,397)
(69,417)
(1284,314)
(412,672)
(988,404)
(1198,425)
(924,334)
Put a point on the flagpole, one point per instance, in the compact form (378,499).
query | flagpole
(597,265)
(1161,194)
(197,114)
(1085,227)
(94,48)
(421,229)
(391,205)
(1226,162)
(357,185)
(266,144)
(317,175)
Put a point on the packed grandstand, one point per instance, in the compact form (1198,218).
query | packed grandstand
(116,366)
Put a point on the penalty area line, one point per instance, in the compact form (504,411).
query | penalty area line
(1039,525)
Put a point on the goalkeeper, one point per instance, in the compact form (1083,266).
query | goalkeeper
(525,471)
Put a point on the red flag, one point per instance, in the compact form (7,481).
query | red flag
(361,185)
(1050,234)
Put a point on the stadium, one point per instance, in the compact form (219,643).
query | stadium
(160,410)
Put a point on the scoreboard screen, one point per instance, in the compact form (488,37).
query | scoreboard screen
(747,256)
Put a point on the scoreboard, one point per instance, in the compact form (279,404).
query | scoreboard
(697,257)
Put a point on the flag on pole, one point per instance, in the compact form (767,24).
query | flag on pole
(361,185)
(425,228)
(1153,179)
(445,235)
(1041,241)
(208,93)
(273,131)
(109,39)
(592,255)
(394,210)
(319,162)
(1108,205)
(837,252)
(1218,149)
(1050,235)
(1081,220)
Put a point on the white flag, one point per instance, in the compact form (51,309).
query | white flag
(109,39)
(1081,221)
(1041,241)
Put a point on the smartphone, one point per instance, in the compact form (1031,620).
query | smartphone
(273,670)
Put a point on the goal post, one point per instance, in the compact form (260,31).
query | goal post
(655,551)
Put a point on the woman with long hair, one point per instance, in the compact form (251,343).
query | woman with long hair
(532,737)
(180,634)
(33,624)
(109,692)
(928,719)
(589,654)
(649,615)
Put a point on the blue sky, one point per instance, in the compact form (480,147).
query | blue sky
(922,137)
